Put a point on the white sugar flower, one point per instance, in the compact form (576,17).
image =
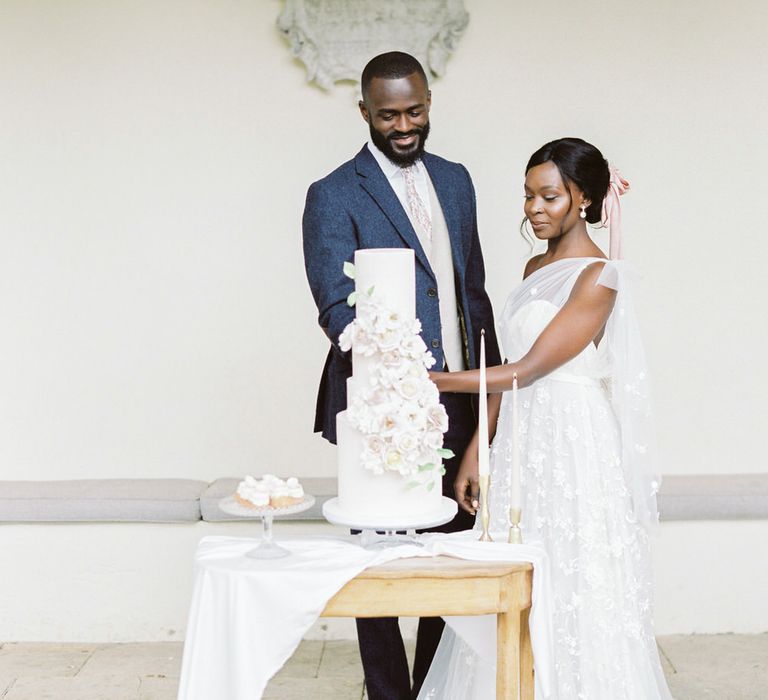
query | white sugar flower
(430,396)
(407,443)
(417,370)
(398,410)
(389,340)
(346,337)
(408,388)
(434,439)
(392,320)
(437,417)
(413,346)
(412,416)
(391,358)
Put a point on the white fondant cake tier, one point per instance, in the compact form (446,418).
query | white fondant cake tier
(385,328)
(391,274)
(361,492)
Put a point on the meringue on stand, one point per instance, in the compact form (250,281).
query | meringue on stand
(269,491)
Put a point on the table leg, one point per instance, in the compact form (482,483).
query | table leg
(508,655)
(526,657)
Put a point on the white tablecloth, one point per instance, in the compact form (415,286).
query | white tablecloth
(248,616)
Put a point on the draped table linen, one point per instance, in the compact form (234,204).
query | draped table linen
(248,616)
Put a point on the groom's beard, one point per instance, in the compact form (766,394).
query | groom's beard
(384,144)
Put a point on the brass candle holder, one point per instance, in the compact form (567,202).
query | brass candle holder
(485,515)
(515,533)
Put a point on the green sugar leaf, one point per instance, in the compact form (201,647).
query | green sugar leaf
(349,270)
(412,485)
(445,453)
(426,467)
(430,485)
(352,299)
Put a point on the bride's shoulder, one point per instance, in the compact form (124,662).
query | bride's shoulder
(590,285)
(532,265)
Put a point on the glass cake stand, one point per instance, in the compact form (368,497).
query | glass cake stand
(267,547)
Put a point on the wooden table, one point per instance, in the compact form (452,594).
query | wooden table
(437,586)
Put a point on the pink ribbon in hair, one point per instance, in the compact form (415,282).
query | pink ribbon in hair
(611,216)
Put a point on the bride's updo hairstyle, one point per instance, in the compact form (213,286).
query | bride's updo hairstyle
(579,163)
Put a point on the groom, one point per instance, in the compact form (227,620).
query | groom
(394,195)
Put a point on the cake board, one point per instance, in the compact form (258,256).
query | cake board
(337,516)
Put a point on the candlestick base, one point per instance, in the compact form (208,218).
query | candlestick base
(515,533)
(485,516)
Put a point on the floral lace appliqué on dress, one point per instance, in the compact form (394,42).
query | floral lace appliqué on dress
(588,495)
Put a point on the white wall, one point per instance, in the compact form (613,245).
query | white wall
(154,158)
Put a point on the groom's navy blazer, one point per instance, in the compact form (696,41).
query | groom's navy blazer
(355,207)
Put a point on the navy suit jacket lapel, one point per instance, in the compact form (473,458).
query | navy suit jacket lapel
(373,181)
(446,195)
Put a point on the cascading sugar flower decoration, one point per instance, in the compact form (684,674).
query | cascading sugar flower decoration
(399,411)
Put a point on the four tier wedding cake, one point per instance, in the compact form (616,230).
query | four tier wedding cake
(390,437)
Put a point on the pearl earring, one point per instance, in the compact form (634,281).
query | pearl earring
(583,212)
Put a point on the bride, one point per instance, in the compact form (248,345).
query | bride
(588,489)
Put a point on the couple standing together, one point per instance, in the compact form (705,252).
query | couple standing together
(569,335)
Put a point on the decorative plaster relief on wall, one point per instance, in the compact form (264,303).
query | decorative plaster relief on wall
(336,38)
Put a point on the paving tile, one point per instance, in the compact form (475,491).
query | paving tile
(666,664)
(99,688)
(700,651)
(718,666)
(156,660)
(341,659)
(158,689)
(687,688)
(703,667)
(304,662)
(314,689)
(41,660)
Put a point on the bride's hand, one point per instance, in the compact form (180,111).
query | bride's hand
(465,486)
(435,377)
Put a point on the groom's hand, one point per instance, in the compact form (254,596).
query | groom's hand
(466,486)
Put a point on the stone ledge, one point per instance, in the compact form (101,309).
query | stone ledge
(682,497)
(101,500)
(714,497)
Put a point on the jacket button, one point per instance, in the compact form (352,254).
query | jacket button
(435,343)
(431,292)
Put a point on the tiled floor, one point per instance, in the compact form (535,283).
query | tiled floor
(699,667)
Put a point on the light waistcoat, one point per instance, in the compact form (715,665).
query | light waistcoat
(438,252)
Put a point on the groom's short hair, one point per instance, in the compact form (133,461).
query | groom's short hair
(394,64)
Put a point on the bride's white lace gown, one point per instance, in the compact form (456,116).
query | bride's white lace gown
(588,494)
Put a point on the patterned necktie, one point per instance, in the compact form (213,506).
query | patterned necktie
(416,203)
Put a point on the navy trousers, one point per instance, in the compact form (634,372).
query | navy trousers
(381,644)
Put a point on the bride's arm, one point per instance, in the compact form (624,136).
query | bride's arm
(575,326)
(466,486)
